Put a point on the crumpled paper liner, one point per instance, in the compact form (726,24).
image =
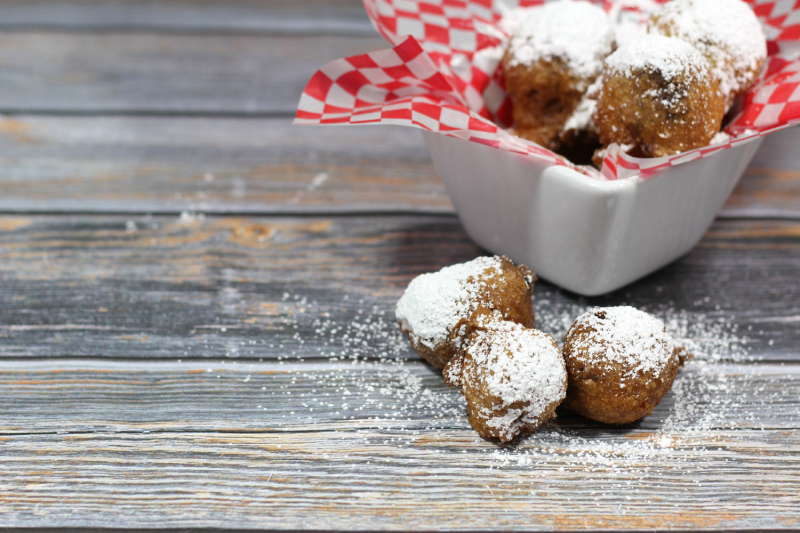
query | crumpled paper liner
(443,74)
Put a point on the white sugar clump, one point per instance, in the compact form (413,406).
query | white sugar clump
(628,337)
(433,304)
(727,32)
(521,370)
(579,33)
(669,56)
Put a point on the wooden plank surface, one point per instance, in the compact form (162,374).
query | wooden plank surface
(240,16)
(165,368)
(61,72)
(229,165)
(284,287)
(381,446)
(158,165)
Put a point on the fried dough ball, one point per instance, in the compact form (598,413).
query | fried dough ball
(620,362)
(556,52)
(513,377)
(436,307)
(726,32)
(659,96)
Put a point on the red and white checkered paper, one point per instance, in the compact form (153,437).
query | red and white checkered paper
(444,75)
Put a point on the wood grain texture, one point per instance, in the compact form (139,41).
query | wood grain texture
(51,72)
(240,16)
(284,287)
(335,446)
(218,165)
(158,165)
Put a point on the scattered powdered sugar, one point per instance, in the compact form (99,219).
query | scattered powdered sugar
(709,337)
(434,303)
(625,336)
(519,367)
(669,56)
(575,31)
(727,32)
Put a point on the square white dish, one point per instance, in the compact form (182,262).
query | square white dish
(586,235)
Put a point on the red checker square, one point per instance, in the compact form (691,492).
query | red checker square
(481,125)
(437,34)
(790,112)
(749,117)
(792,33)
(429,110)
(362,61)
(782,93)
(430,8)
(408,49)
(318,86)
(335,120)
(479,79)
(396,113)
(437,81)
(352,81)
(398,72)
(762,10)
(334,109)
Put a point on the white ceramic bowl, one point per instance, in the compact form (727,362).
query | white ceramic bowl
(586,235)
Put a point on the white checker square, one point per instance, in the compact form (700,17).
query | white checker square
(310,104)
(463,40)
(372,116)
(376,76)
(454,119)
(407,5)
(340,98)
(425,120)
(372,94)
(334,69)
(421,67)
(413,27)
(769,115)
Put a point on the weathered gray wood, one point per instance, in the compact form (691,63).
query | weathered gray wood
(139,287)
(267,16)
(52,72)
(336,446)
(157,165)
(90,396)
(215,165)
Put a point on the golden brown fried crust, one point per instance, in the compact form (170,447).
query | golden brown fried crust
(660,117)
(509,293)
(544,95)
(594,388)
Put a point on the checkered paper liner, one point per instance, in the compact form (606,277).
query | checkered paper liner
(443,75)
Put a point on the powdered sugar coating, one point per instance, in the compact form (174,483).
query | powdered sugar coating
(671,57)
(625,336)
(434,303)
(577,32)
(513,377)
(726,32)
